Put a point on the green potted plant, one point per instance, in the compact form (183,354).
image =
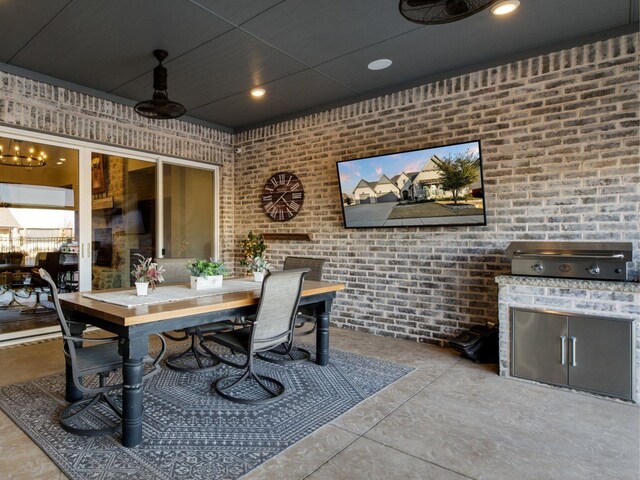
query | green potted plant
(259,266)
(206,273)
(146,272)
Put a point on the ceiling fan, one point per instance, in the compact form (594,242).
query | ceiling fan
(434,12)
(160,107)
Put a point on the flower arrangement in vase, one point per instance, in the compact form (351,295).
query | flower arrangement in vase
(259,267)
(206,273)
(146,272)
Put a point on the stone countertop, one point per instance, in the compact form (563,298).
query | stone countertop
(614,286)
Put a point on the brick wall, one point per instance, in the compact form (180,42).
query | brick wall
(39,106)
(560,144)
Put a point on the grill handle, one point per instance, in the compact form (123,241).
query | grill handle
(615,256)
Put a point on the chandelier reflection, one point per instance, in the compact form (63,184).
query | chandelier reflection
(22,154)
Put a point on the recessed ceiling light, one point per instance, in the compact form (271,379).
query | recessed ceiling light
(58,163)
(63,159)
(258,92)
(379,64)
(504,7)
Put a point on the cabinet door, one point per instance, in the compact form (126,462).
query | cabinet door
(601,360)
(537,349)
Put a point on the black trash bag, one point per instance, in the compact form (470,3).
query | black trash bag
(479,344)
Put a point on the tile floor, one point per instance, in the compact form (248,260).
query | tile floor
(449,419)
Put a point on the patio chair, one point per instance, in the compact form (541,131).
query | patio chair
(272,325)
(101,360)
(193,359)
(315,266)
(288,353)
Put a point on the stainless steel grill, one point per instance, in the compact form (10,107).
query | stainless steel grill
(594,260)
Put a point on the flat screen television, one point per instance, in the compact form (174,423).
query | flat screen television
(438,186)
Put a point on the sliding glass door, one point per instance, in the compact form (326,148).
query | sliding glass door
(188,211)
(83,212)
(39,227)
(123,217)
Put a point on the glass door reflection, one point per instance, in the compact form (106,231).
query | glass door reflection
(39,220)
(123,217)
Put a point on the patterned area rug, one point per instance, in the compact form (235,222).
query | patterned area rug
(190,432)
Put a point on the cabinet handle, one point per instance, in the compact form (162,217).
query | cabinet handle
(573,351)
(563,353)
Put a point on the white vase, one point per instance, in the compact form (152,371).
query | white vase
(258,276)
(215,281)
(142,289)
(201,283)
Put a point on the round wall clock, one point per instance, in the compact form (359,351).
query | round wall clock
(282,196)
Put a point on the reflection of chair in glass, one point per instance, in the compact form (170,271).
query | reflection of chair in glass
(14,282)
(272,325)
(6,286)
(37,286)
(288,353)
(193,359)
(100,360)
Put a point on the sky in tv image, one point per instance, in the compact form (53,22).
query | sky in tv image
(372,168)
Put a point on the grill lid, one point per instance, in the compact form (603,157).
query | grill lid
(611,251)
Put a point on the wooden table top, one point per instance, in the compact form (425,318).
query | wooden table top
(162,311)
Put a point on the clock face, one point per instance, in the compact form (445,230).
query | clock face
(282,196)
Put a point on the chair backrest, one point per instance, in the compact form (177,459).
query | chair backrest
(175,269)
(314,265)
(277,309)
(44,275)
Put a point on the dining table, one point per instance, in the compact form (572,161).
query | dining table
(134,323)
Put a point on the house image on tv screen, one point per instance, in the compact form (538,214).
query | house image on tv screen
(432,186)
(412,186)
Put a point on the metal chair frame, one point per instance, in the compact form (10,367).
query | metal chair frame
(108,348)
(256,345)
(288,353)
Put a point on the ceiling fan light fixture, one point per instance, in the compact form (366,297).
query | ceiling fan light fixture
(505,7)
(435,12)
(160,107)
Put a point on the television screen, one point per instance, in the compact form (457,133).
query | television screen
(429,187)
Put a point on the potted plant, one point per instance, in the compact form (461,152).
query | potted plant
(259,266)
(206,273)
(146,272)
(253,246)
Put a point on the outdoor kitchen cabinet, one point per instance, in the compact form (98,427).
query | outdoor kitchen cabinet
(578,351)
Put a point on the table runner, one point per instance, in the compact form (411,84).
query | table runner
(170,293)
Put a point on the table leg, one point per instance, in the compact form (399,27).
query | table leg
(133,351)
(322,335)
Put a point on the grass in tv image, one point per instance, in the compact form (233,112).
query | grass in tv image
(433,186)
